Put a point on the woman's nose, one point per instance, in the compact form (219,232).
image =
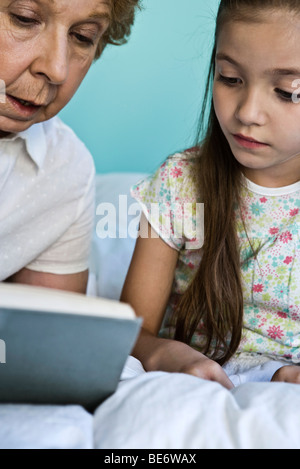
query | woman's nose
(52,58)
(251,109)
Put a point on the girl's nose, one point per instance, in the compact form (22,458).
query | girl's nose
(251,109)
(52,58)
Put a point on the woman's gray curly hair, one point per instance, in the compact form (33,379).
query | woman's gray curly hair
(123,14)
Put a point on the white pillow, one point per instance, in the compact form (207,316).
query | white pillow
(113,243)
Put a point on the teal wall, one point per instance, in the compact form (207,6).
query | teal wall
(140,102)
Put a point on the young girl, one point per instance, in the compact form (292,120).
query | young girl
(238,295)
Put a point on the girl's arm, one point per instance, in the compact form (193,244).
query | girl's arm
(147,289)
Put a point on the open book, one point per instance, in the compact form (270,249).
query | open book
(62,348)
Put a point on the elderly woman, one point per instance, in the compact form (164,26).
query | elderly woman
(46,172)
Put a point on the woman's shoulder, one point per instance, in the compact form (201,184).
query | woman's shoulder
(66,152)
(60,136)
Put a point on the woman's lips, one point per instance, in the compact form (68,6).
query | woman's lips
(24,110)
(248,142)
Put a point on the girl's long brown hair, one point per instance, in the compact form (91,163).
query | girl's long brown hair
(214,298)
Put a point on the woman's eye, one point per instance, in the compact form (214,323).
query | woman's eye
(84,40)
(228,80)
(23,20)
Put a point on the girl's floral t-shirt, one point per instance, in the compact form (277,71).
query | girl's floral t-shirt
(271,277)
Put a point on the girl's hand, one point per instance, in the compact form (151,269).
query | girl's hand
(159,354)
(209,370)
(288,374)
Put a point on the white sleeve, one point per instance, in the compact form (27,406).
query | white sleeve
(70,253)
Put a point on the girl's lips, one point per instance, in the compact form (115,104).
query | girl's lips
(248,142)
(22,109)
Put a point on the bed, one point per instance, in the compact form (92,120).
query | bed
(157,410)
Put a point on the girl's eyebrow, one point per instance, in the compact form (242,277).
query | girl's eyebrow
(222,56)
(273,72)
(284,72)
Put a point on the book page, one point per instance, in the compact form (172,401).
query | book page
(24,297)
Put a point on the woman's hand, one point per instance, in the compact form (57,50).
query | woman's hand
(287,374)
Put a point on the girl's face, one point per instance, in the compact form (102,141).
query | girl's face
(46,49)
(257,96)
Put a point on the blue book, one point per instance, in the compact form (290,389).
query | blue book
(62,348)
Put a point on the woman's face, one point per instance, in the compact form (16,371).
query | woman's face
(256,88)
(46,49)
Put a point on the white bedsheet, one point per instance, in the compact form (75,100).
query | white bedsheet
(174,411)
(166,411)
(45,427)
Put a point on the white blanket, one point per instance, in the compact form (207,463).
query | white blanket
(174,411)
(166,411)
(45,427)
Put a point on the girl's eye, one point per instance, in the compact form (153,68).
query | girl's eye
(84,40)
(286,96)
(228,80)
(24,21)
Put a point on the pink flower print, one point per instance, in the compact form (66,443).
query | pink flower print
(273,231)
(262,323)
(263,200)
(258,288)
(295,316)
(288,260)
(176,172)
(286,237)
(275,332)
(282,315)
(294,212)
